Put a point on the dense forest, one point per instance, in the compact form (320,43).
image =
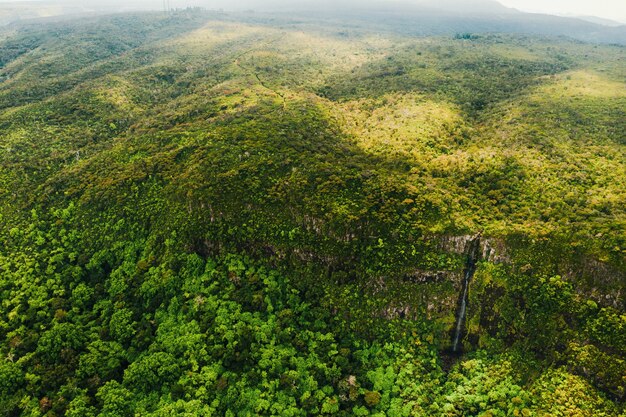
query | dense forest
(210,214)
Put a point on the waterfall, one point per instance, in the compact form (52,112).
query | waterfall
(473,256)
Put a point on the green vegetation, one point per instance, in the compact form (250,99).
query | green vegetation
(204,214)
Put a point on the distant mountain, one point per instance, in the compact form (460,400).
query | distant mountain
(599,20)
(459,6)
(421,17)
(427,17)
(15,11)
(456,6)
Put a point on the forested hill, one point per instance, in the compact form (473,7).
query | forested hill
(249,214)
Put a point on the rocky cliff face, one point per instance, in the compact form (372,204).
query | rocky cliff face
(593,279)
(599,281)
(437,294)
(492,250)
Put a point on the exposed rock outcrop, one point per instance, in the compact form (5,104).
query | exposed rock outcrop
(491,249)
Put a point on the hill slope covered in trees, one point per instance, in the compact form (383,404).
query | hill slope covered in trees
(211,214)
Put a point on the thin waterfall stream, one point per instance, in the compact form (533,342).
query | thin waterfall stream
(473,256)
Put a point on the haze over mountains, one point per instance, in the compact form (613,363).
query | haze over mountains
(420,17)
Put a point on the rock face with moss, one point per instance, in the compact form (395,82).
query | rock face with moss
(213,214)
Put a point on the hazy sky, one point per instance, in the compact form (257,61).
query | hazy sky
(609,9)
